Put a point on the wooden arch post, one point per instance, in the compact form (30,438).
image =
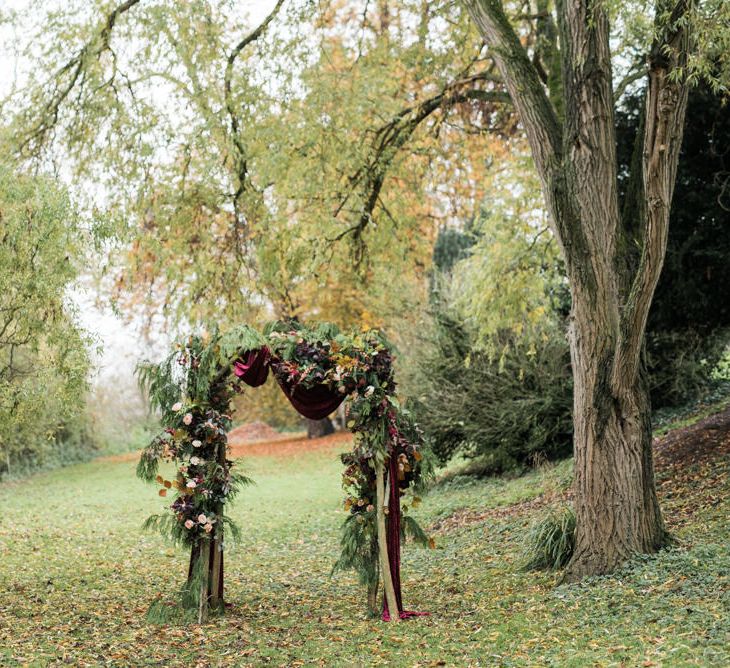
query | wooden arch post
(388,588)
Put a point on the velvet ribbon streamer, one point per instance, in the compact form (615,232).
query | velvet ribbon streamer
(393,534)
(254,368)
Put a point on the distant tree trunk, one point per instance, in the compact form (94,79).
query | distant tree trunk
(612,284)
(319,428)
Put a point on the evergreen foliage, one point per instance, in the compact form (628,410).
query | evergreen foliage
(502,412)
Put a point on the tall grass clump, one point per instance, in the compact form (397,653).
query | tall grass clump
(550,541)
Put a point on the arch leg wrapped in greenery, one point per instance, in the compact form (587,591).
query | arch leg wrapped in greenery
(317,369)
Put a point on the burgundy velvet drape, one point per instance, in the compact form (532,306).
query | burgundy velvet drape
(253,369)
(393,535)
(315,402)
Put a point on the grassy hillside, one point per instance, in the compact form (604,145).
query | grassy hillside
(77,575)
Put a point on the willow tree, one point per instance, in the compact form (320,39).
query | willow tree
(299,163)
(613,256)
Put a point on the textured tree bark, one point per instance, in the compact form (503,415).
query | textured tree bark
(388,588)
(617,511)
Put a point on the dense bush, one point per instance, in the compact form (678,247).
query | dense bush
(501,410)
(681,364)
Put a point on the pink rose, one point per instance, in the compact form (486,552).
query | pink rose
(177,406)
(188,418)
(208,527)
(202,519)
(189,524)
(192,484)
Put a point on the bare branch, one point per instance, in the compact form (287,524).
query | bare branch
(634,74)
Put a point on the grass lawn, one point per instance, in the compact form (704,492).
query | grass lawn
(77,574)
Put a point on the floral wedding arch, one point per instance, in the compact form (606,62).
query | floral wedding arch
(317,368)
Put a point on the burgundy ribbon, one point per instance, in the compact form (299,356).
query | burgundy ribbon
(392,533)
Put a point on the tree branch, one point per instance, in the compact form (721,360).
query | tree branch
(241,157)
(392,136)
(541,123)
(634,74)
(92,49)
(666,105)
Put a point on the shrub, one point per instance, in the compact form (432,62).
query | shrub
(503,411)
(550,541)
(44,353)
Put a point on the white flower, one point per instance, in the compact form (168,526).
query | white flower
(197,443)
(189,524)
(176,407)
(196,460)
(202,519)
(188,418)
(192,484)
(369,391)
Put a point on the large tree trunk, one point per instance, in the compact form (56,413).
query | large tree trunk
(617,511)
(612,285)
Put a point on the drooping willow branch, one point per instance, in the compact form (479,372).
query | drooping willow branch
(74,70)
(241,158)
